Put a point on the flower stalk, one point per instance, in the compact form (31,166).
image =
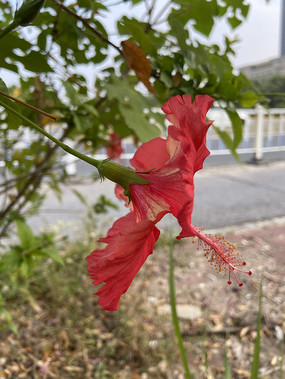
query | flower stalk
(24,16)
(111,170)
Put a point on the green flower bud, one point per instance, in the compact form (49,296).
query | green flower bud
(28,12)
(120,175)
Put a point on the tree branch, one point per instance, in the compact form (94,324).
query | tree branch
(87,25)
(34,180)
(29,106)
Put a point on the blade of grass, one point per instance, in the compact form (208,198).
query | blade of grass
(205,355)
(255,363)
(174,312)
(227,364)
(282,358)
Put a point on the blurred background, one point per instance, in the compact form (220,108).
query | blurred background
(105,69)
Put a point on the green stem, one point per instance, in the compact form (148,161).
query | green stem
(174,312)
(9,28)
(68,149)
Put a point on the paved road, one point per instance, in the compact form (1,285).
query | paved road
(224,196)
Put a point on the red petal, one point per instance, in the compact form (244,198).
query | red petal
(152,154)
(129,244)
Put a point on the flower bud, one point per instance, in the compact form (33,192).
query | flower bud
(28,12)
(121,175)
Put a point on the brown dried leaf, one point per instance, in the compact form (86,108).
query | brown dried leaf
(73,368)
(137,61)
(244,331)
(177,78)
(64,339)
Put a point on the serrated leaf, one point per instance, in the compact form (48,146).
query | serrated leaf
(202,12)
(244,10)
(25,235)
(234,22)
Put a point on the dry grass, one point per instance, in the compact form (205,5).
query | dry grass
(63,333)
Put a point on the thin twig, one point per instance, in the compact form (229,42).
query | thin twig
(5,196)
(149,13)
(29,106)
(34,180)
(87,25)
(164,9)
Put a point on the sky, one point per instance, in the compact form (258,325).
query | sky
(259,36)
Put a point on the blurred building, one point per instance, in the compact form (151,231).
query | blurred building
(266,69)
(271,67)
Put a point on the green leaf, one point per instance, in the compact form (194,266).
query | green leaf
(248,99)
(10,261)
(161,89)
(35,62)
(10,42)
(81,122)
(90,109)
(136,29)
(13,121)
(9,321)
(27,266)
(178,30)
(54,256)
(234,22)
(244,10)
(102,204)
(226,140)
(202,12)
(237,127)
(132,105)
(81,197)
(71,93)
(26,235)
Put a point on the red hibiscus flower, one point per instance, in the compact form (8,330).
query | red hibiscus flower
(114,146)
(167,167)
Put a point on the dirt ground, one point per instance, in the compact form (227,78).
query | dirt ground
(228,312)
(138,342)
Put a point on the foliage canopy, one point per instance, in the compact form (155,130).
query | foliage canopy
(156,53)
